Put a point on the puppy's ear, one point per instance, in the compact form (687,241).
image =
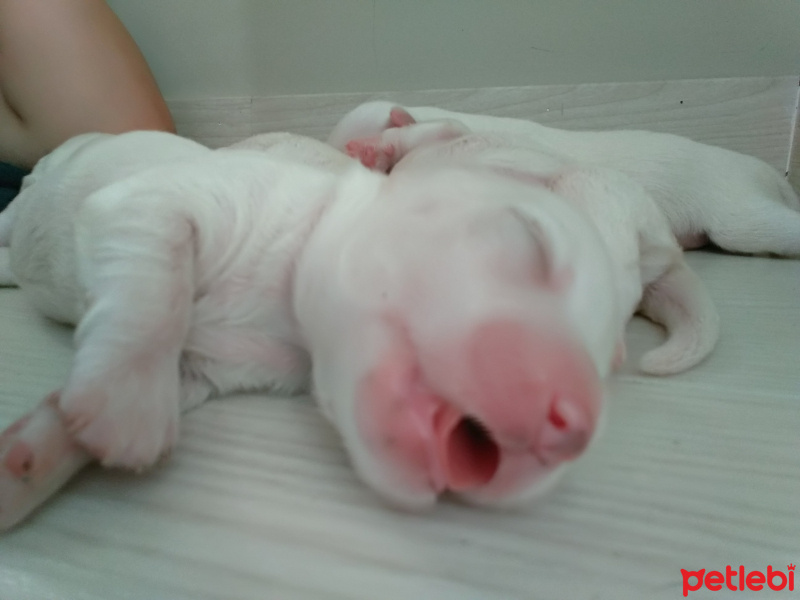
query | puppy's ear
(550,252)
(400,117)
(366,120)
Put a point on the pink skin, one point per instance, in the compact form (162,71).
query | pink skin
(382,152)
(399,117)
(517,405)
(37,456)
(375,153)
(372,154)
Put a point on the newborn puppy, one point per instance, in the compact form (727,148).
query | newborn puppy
(649,271)
(455,325)
(706,193)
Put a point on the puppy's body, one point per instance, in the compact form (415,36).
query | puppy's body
(586,171)
(706,193)
(456,327)
(147,193)
(456,323)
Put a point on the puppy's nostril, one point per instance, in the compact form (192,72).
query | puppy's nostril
(472,456)
(565,433)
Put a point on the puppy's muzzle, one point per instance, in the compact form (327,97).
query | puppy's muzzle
(506,405)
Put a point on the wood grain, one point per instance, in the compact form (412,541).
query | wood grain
(794,151)
(751,115)
(694,471)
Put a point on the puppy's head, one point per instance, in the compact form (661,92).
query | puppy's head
(460,325)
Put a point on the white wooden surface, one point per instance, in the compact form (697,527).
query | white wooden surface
(794,158)
(752,115)
(699,470)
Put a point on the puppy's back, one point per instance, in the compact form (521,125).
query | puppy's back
(42,219)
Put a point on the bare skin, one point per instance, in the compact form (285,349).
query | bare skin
(69,67)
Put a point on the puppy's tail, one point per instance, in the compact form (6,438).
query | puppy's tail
(679,301)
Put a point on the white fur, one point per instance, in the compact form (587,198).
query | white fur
(741,203)
(279,263)
(192,272)
(641,190)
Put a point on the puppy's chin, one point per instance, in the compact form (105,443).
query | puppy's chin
(387,484)
(413,493)
(516,499)
(408,498)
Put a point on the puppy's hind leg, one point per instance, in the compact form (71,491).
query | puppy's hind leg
(135,258)
(763,226)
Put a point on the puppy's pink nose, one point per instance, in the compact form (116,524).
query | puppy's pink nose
(565,432)
(535,392)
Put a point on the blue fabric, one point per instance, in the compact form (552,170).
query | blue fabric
(10,180)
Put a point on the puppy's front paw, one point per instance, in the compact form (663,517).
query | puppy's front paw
(125,416)
(373,153)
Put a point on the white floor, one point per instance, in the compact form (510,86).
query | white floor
(696,471)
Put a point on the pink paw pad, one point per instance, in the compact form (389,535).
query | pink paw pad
(371,154)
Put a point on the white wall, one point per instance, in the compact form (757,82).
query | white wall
(221,48)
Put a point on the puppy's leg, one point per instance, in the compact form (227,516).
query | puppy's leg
(382,152)
(37,456)
(135,260)
(761,225)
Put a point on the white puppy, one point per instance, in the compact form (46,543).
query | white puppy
(456,325)
(640,189)
(706,193)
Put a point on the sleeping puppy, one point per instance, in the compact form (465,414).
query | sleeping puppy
(707,194)
(455,325)
(453,343)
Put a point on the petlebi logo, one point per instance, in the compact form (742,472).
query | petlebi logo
(739,579)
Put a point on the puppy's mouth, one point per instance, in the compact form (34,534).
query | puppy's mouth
(468,455)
